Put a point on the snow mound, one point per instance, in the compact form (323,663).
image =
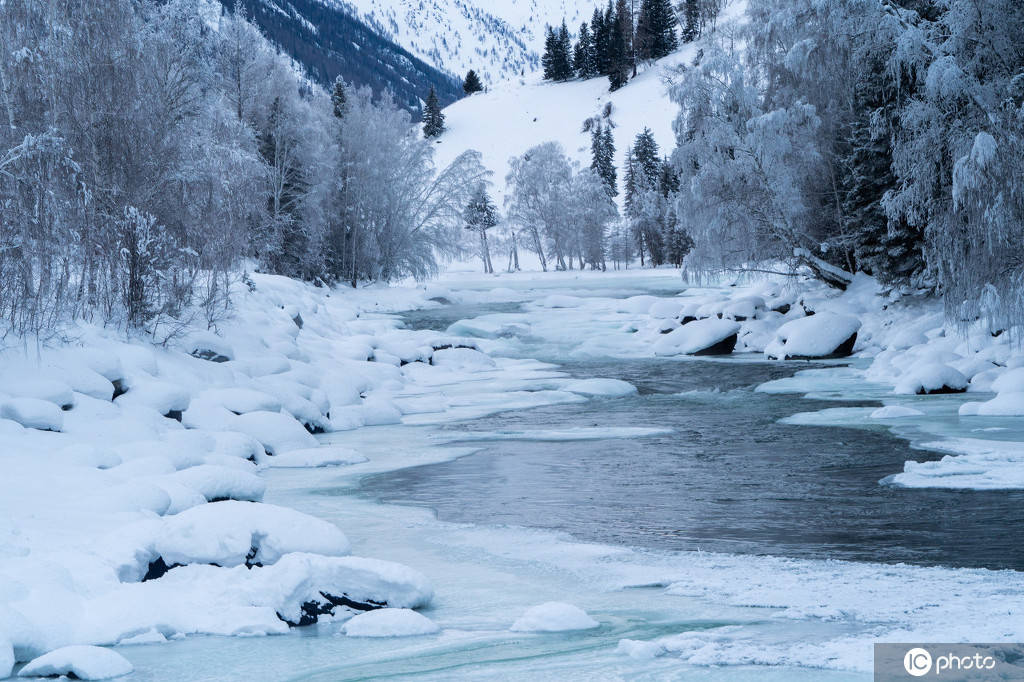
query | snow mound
(233,533)
(1010,381)
(824,335)
(390,623)
(6,659)
(639,649)
(162,396)
(215,482)
(31,385)
(895,412)
(241,400)
(554,616)
(323,456)
(1006,404)
(33,413)
(603,387)
(462,358)
(81,662)
(709,336)
(276,431)
(931,378)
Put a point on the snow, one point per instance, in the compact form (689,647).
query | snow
(278,432)
(32,413)
(815,336)
(896,412)
(554,616)
(389,623)
(974,465)
(82,662)
(696,336)
(931,377)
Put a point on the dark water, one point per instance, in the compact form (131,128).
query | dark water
(729,478)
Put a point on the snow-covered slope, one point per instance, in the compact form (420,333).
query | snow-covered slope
(512,117)
(500,39)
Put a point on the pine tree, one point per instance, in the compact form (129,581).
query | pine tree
(557,58)
(647,156)
(339,100)
(602,155)
(472,83)
(583,60)
(599,36)
(565,70)
(624,23)
(618,61)
(549,57)
(691,11)
(656,29)
(433,117)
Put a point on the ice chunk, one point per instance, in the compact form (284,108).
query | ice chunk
(931,378)
(323,456)
(895,412)
(639,649)
(709,336)
(462,358)
(389,623)
(605,387)
(554,616)
(81,662)
(33,413)
(818,336)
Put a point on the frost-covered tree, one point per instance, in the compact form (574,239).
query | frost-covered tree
(481,216)
(602,157)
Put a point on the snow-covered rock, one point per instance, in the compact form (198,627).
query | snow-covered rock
(389,623)
(32,413)
(554,616)
(1006,404)
(461,358)
(931,378)
(710,336)
(80,662)
(208,346)
(825,335)
(323,456)
(241,400)
(165,397)
(278,432)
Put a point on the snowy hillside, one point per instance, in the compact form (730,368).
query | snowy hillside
(500,39)
(512,117)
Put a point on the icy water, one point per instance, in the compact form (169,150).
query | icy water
(729,478)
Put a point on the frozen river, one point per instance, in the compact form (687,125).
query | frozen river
(706,545)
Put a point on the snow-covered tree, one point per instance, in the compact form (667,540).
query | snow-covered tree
(481,216)
(433,117)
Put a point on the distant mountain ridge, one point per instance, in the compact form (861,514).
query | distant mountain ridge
(327,39)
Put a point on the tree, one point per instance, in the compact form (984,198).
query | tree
(557,59)
(656,29)
(602,157)
(471,83)
(433,117)
(691,13)
(618,57)
(584,59)
(481,216)
(339,100)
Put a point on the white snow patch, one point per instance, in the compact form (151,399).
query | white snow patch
(389,623)
(83,662)
(554,616)
(896,412)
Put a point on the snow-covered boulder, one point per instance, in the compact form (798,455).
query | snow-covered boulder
(169,399)
(462,359)
(389,623)
(208,346)
(1010,381)
(931,378)
(710,336)
(32,385)
(825,335)
(33,413)
(6,658)
(743,308)
(277,432)
(241,400)
(323,456)
(235,533)
(554,616)
(78,662)
(218,483)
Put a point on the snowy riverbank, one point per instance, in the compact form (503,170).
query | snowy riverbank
(119,491)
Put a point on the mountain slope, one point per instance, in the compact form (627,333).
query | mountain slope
(510,118)
(500,39)
(327,40)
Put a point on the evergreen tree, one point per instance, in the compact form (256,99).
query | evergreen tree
(656,29)
(548,59)
(624,23)
(602,155)
(482,215)
(583,60)
(339,100)
(647,156)
(691,12)
(565,70)
(599,36)
(618,62)
(557,58)
(433,118)
(472,83)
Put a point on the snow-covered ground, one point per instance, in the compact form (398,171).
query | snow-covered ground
(121,525)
